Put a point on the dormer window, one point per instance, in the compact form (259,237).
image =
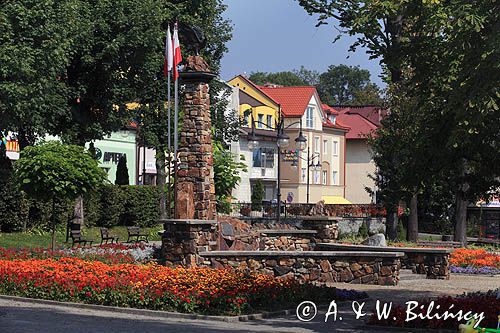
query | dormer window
(332,118)
(309,117)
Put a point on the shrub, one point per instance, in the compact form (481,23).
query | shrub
(363,230)
(122,177)
(401,230)
(109,206)
(257,195)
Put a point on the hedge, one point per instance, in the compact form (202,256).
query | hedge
(112,205)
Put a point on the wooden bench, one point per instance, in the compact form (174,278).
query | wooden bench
(440,244)
(434,262)
(76,237)
(105,236)
(135,232)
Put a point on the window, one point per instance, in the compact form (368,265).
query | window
(246,119)
(303,175)
(325,175)
(263,158)
(335,148)
(316,177)
(334,178)
(332,118)
(309,117)
(269,121)
(317,148)
(325,146)
(260,118)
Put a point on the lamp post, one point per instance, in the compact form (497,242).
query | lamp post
(282,141)
(310,164)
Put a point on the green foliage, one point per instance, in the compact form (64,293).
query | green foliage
(286,78)
(226,175)
(401,230)
(257,195)
(122,177)
(108,206)
(347,85)
(55,171)
(363,231)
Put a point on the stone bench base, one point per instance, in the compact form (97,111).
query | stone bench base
(321,268)
(434,262)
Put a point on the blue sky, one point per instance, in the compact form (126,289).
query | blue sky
(278,35)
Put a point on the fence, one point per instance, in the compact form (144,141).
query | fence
(268,210)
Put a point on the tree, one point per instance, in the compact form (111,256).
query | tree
(311,77)
(383,28)
(286,78)
(36,44)
(226,175)
(257,195)
(122,177)
(347,85)
(56,172)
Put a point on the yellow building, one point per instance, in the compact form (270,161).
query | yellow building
(262,162)
(252,99)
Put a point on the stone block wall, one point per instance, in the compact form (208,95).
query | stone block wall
(183,241)
(435,265)
(317,269)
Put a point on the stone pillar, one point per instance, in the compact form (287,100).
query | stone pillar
(195,178)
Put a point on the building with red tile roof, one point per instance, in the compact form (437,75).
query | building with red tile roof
(362,121)
(326,146)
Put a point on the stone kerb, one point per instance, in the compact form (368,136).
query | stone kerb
(434,262)
(318,267)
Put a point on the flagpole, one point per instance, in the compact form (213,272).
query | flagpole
(169,150)
(176,114)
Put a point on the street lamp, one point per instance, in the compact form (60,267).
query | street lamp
(282,141)
(310,164)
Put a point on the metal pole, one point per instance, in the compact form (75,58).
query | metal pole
(176,111)
(169,150)
(143,161)
(278,195)
(308,166)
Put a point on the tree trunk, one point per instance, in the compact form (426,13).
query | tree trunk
(161,180)
(413,219)
(391,222)
(53,242)
(461,218)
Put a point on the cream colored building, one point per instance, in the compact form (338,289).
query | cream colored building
(362,121)
(326,144)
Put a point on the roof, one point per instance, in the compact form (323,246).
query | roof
(259,89)
(371,112)
(337,125)
(328,109)
(360,127)
(293,100)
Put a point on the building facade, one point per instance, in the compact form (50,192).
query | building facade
(362,121)
(318,172)
(261,162)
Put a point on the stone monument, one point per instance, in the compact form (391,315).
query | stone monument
(194,229)
(195,177)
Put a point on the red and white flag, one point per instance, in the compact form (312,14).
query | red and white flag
(177,53)
(169,54)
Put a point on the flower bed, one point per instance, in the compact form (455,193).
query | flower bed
(151,286)
(475,270)
(475,302)
(109,253)
(474,261)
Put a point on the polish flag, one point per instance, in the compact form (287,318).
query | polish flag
(177,53)
(169,54)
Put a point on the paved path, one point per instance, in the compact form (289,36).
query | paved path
(24,317)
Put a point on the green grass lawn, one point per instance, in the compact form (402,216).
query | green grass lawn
(32,239)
